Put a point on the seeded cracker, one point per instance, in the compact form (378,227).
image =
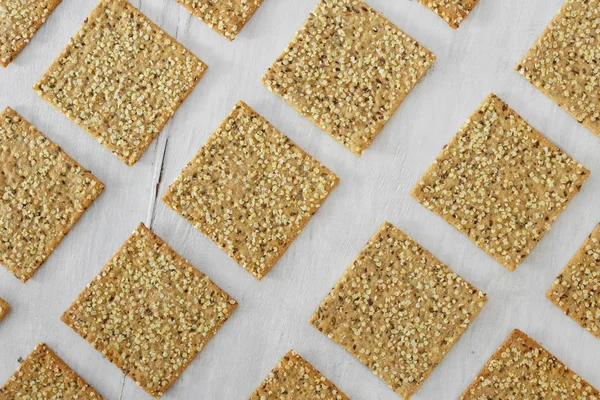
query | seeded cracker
(565,61)
(149,311)
(347,70)
(398,310)
(451,11)
(227,17)
(295,378)
(43,192)
(121,78)
(43,375)
(522,369)
(500,182)
(576,290)
(251,190)
(19,20)
(4,307)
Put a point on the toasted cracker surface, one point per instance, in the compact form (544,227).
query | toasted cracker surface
(19,21)
(295,378)
(500,182)
(347,70)
(4,308)
(43,192)
(251,190)
(227,17)
(452,11)
(149,311)
(522,369)
(43,375)
(121,78)
(565,61)
(576,290)
(398,310)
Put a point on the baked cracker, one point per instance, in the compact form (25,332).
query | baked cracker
(121,78)
(452,11)
(250,189)
(43,192)
(149,311)
(500,182)
(4,308)
(398,310)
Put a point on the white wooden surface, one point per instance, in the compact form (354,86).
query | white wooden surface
(272,317)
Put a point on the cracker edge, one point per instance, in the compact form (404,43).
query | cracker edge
(5,308)
(52,4)
(395,105)
(416,193)
(451,21)
(578,256)
(85,205)
(129,161)
(42,349)
(231,306)
(555,22)
(246,107)
(387,225)
(514,336)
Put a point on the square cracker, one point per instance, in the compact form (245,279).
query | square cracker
(576,290)
(522,369)
(451,11)
(227,17)
(398,310)
(347,70)
(500,182)
(43,375)
(121,78)
(4,307)
(19,21)
(251,190)
(295,378)
(149,311)
(565,61)
(43,192)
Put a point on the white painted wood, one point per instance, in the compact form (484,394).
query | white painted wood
(272,317)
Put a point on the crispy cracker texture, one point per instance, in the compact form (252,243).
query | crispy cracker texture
(149,311)
(121,78)
(347,70)
(43,192)
(227,17)
(295,378)
(4,308)
(565,61)
(19,21)
(251,190)
(398,310)
(576,290)
(43,375)
(500,182)
(452,11)
(522,369)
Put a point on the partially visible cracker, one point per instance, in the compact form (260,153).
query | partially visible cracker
(565,61)
(576,290)
(43,375)
(4,307)
(227,17)
(451,11)
(522,369)
(149,311)
(251,190)
(121,78)
(43,192)
(347,70)
(500,182)
(295,378)
(398,310)
(19,21)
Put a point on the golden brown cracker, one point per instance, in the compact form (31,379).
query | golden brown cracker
(4,308)
(452,11)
